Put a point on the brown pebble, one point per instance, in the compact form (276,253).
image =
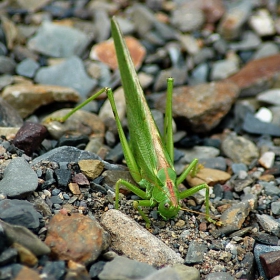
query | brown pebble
(29,137)
(271,263)
(76,237)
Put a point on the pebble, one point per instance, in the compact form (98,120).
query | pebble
(269,224)
(195,253)
(109,57)
(29,137)
(76,237)
(147,248)
(23,236)
(259,250)
(80,123)
(267,159)
(270,96)
(69,73)
(19,212)
(264,115)
(27,68)
(239,149)
(131,269)
(193,105)
(91,168)
(55,40)
(19,179)
(26,98)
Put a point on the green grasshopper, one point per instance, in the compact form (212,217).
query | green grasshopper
(148,155)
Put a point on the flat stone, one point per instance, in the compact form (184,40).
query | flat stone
(76,237)
(70,73)
(208,176)
(19,212)
(267,159)
(271,96)
(55,40)
(19,179)
(257,75)
(146,247)
(239,149)
(26,98)
(131,269)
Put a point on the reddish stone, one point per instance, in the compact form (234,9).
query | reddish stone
(76,237)
(258,75)
(29,137)
(202,106)
(80,179)
(271,263)
(106,53)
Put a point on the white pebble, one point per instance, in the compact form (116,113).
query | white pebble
(267,159)
(264,115)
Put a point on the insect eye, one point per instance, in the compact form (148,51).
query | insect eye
(166,205)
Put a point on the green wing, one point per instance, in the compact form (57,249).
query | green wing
(145,140)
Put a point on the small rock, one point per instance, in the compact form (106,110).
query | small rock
(260,250)
(253,125)
(80,123)
(76,237)
(80,179)
(19,212)
(267,159)
(270,262)
(200,106)
(271,96)
(26,257)
(195,252)
(262,23)
(233,218)
(146,247)
(91,168)
(131,269)
(26,98)
(29,137)
(54,269)
(264,115)
(26,273)
(70,73)
(239,149)
(208,176)
(265,238)
(27,68)
(26,238)
(58,41)
(8,115)
(19,179)
(234,19)
(275,207)
(269,224)
(105,52)
(219,276)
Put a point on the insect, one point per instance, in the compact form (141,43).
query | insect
(148,154)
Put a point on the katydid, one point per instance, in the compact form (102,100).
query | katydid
(149,155)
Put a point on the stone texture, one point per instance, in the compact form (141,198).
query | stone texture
(257,75)
(146,247)
(76,237)
(203,106)
(26,98)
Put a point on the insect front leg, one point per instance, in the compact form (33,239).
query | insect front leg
(146,202)
(192,169)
